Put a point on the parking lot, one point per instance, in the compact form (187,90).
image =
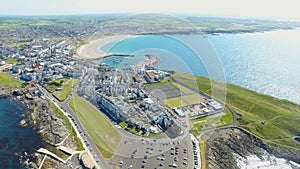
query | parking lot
(159,154)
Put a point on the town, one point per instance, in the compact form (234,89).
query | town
(130,97)
(149,84)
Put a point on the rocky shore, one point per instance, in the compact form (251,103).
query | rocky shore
(5,92)
(45,121)
(225,146)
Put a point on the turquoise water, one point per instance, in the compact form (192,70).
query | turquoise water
(14,141)
(172,53)
(264,62)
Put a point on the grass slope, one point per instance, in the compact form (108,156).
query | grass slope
(104,135)
(9,81)
(69,127)
(66,86)
(281,116)
(212,122)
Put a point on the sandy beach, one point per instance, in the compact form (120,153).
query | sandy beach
(90,50)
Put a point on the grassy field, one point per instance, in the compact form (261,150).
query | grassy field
(176,95)
(174,102)
(66,86)
(211,122)
(69,127)
(9,81)
(104,135)
(192,99)
(202,146)
(11,60)
(183,100)
(281,116)
(164,91)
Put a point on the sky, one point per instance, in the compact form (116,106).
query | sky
(272,9)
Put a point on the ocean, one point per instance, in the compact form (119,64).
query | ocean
(264,62)
(14,140)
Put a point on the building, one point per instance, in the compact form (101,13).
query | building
(2,63)
(215,104)
(109,107)
(179,112)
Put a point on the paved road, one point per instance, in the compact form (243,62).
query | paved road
(128,144)
(131,142)
(92,150)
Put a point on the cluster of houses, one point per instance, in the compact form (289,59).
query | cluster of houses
(45,62)
(122,96)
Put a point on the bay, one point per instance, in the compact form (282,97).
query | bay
(264,62)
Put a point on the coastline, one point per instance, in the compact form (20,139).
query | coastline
(90,50)
(44,121)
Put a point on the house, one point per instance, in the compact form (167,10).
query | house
(2,63)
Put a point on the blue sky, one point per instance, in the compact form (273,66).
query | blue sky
(279,9)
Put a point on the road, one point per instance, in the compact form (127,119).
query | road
(86,140)
(129,141)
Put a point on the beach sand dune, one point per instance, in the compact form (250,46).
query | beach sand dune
(91,50)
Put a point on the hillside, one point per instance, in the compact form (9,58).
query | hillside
(274,121)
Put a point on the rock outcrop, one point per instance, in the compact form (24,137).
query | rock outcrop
(224,146)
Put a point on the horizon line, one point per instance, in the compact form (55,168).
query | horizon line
(201,15)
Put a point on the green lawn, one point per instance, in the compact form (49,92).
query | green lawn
(183,100)
(174,102)
(104,135)
(268,131)
(227,118)
(192,99)
(66,86)
(9,81)
(210,122)
(11,61)
(202,146)
(281,116)
(207,123)
(69,127)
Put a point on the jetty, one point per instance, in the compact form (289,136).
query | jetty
(118,54)
(112,54)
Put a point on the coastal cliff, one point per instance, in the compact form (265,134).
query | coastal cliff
(226,147)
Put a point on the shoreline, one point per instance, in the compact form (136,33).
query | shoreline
(90,50)
(44,121)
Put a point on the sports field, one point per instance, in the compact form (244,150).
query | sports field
(183,100)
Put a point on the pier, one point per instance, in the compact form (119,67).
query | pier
(117,54)
(110,55)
